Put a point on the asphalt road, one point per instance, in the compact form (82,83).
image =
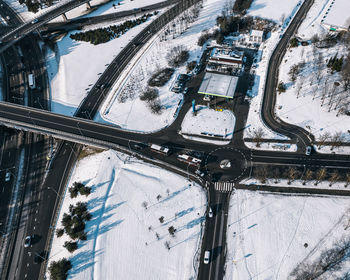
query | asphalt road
(302,137)
(78,23)
(24,29)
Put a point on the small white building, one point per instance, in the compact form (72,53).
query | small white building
(256,36)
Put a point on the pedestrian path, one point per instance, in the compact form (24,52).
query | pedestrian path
(224,186)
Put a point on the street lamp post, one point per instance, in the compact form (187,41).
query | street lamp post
(49,188)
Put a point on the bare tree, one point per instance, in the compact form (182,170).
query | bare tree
(299,86)
(347,180)
(334,178)
(323,139)
(258,135)
(331,99)
(336,140)
(292,174)
(261,174)
(308,176)
(346,72)
(319,64)
(320,175)
(145,204)
(276,175)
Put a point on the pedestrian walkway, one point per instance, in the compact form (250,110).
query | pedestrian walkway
(224,186)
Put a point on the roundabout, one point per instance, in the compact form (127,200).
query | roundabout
(226,164)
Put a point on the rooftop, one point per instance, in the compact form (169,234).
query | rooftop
(218,85)
(225,53)
(257,33)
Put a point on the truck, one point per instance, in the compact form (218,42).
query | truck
(160,149)
(31,81)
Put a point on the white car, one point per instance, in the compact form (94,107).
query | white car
(206,257)
(308,150)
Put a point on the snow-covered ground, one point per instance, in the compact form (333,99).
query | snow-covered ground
(134,114)
(267,233)
(311,25)
(208,122)
(75,66)
(277,11)
(307,110)
(272,146)
(122,242)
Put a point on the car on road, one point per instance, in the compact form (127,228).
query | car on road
(210,213)
(206,257)
(308,150)
(27,241)
(7,176)
(35,21)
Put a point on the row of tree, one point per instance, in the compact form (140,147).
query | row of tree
(264,174)
(103,35)
(73,224)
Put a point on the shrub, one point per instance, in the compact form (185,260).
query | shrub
(161,77)
(203,38)
(191,65)
(71,246)
(241,6)
(73,192)
(155,107)
(281,87)
(293,42)
(172,231)
(85,191)
(149,94)
(59,232)
(177,56)
(58,270)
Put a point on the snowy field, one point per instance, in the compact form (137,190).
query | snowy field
(134,114)
(311,25)
(208,122)
(75,67)
(277,11)
(269,235)
(121,241)
(311,110)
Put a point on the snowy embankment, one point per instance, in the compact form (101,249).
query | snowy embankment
(75,67)
(277,11)
(209,123)
(134,114)
(122,240)
(269,235)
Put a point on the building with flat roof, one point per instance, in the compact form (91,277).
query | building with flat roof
(336,15)
(256,36)
(218,85)
(225,60)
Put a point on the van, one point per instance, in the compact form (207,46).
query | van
(206,257)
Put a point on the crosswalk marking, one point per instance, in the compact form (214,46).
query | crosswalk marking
(224,186)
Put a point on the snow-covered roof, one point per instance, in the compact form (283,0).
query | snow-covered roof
(225,53)
(218,85)
(257,33)
(337,14)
